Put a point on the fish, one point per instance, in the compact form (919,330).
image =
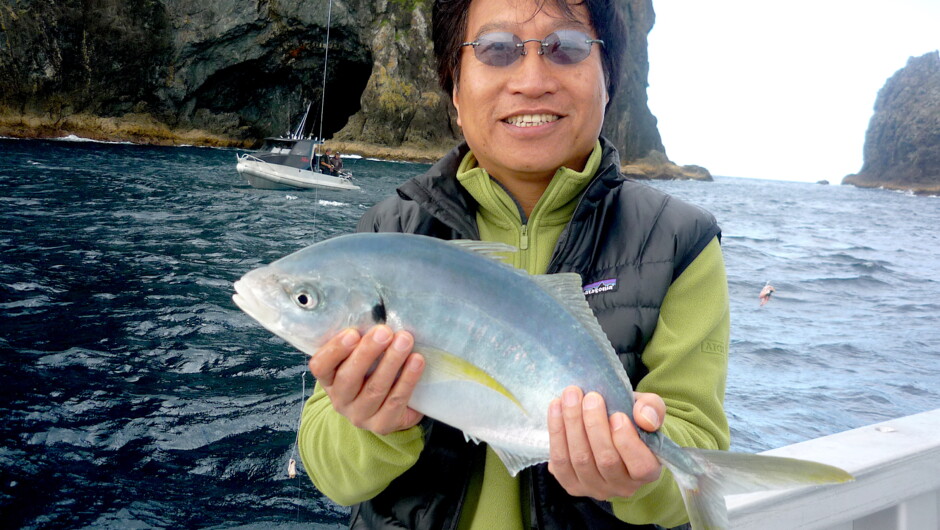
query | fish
(499,345)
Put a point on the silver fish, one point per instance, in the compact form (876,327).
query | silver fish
(499,345)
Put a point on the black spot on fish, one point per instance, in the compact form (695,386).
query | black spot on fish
(378,312)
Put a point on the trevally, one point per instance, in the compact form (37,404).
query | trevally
(499,345)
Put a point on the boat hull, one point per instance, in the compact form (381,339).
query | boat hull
(262,175)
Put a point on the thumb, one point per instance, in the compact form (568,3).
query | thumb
(649,411)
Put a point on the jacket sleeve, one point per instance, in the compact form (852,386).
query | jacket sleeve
(687,358)
(349,464)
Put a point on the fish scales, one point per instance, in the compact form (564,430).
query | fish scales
(499,344)
(478,309)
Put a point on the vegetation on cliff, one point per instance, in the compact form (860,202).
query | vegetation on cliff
(230,72)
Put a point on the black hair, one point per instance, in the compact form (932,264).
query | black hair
(449,27)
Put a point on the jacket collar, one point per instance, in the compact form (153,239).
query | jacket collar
(438,191)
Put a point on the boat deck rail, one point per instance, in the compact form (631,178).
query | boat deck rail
(896,465)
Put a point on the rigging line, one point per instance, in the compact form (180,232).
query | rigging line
(326,55)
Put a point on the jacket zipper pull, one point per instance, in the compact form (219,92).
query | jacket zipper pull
(524,238)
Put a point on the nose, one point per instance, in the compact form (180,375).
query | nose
(534,75)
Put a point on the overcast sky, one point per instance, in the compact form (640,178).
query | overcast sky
(778,90)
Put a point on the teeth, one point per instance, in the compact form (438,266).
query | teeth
(531,120)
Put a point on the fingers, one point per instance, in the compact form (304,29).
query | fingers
(559,463)
(641,464)
(609,464)
(648,413)
(371,379)
(351,381)
(394,414)
(591,454)
(324,363)
(571,457)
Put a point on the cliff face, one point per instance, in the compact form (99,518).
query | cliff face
(244,69)
(902,144)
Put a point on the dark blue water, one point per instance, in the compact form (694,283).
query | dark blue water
(135,394)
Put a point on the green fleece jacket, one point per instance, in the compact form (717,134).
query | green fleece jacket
(350,465)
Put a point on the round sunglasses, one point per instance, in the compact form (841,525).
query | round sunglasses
(566,46)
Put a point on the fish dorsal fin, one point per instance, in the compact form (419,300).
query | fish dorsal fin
(488,249)
(565,287)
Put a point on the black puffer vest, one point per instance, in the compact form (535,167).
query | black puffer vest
(633,239)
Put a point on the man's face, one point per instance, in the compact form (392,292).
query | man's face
(525,120)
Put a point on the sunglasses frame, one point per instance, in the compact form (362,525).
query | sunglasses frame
(520,46)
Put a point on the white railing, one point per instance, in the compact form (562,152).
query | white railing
(897,482)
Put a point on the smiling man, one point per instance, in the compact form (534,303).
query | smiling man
(530,80)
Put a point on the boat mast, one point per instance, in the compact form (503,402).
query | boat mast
(326,54)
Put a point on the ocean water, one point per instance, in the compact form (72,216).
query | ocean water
(135,394)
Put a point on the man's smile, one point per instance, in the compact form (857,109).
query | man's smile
(531,120)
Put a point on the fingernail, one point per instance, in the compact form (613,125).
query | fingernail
(616,421)
(415,364)
(349,338)
(554,408)
(382,334)
(401,343)
(650,414)
(571,397)
(592,400)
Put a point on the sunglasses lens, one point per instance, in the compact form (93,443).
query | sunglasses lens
(498,49)
(567,46)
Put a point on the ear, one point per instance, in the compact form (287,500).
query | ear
(455,98)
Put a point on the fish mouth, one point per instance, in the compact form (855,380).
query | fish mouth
(246,299)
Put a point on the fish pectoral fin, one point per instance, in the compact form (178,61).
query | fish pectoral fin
(445,366)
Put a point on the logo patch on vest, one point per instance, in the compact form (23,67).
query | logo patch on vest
(603,286)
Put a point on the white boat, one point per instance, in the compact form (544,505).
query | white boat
(292,161)
(287,163)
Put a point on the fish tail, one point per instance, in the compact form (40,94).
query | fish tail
(705,477)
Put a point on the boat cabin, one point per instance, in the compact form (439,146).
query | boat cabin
(300,154)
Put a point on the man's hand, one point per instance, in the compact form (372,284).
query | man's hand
(371,378)
(593,455)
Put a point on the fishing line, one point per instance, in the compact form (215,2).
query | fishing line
(316,211)
(292,464)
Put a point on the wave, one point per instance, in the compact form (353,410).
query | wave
(74,138)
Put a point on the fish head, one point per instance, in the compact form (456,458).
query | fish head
(305,308)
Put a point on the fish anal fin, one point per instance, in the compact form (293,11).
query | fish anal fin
(516,462)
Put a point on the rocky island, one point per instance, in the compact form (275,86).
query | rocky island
(228,73)
(902,144)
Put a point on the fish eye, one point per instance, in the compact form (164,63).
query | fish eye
(306,298)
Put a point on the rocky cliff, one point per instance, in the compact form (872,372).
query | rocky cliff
(902,144)
(243,69)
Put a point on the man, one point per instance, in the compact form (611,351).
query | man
(337,162)
(534,173)
(326,163)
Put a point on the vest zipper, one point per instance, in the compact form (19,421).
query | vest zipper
(524,237)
